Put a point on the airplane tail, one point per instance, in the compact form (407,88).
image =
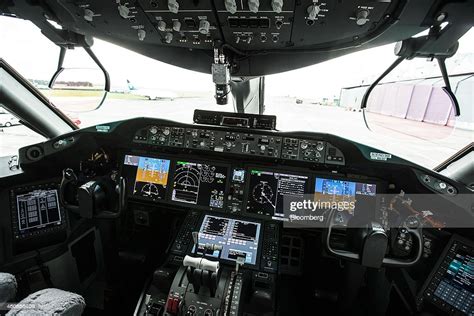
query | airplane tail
(130,85)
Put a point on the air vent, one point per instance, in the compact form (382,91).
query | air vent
(338,239)
(34,153)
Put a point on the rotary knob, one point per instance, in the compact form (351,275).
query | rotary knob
(88,15)
(230,6)
(166,131)
(161,25)
(362,17)
(168,38)
(153,130)
(176,26)
(141,35)
(204,26)
(253,5)
(277,5)
(320,147)
(124,11)
(313,11)
(304,145)
(173,6)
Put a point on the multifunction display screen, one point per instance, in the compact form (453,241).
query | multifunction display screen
(456,286)
(267,190)
(38,209)
(150,176)
(236,237)
(199,184)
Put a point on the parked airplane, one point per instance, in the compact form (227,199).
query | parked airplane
(151,94)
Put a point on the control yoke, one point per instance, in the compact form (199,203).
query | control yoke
(94,199)
(371,242)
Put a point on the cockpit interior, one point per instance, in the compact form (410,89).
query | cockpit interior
(228,215)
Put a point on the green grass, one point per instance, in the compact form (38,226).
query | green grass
(90,93)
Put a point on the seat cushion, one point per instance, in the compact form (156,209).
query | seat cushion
(50,302)
(8,287)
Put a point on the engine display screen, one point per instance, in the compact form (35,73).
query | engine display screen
(267,190)
(199,184)
(150,174)
(237,238)
(38,209)
(346,196)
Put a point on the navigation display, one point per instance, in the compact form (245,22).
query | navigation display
(236,237)
(38,209)
(345,196)
(151,176)
(457,285)
(199,184)
(267,190)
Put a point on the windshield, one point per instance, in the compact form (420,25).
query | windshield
(319,98)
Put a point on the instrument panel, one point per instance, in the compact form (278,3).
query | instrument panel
(239,170)
(239,188)
(245,143)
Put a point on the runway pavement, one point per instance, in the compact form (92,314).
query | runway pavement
(423,150)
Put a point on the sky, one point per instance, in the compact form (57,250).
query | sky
(35,57)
